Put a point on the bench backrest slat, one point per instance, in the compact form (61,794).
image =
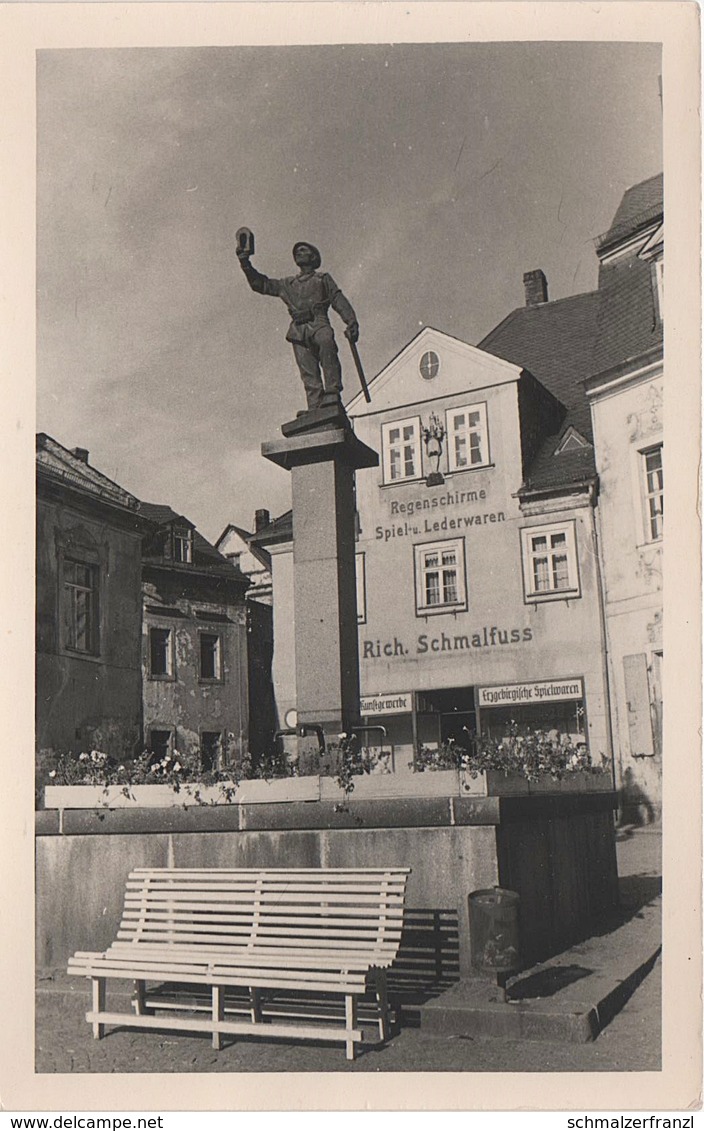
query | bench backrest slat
(318,912)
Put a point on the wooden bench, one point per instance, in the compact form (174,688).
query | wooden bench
(324,931)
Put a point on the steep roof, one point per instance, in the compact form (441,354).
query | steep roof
(554,341)
(640,205)
(205,555)
(57,463)
(628,323)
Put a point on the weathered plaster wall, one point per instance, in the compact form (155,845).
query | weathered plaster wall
(184,700)
(91,701)
(627,420)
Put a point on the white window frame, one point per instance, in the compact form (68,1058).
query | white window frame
(76,596)
(414,442)
(169,673)
(217,678)
(360,569)
(183,539)
(659,280)
(649,495)
(423,568)
(452,432)
(529,555)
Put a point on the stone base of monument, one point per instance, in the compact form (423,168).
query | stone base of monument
(322,453)
(331,414)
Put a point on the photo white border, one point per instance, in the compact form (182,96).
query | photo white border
(24,28)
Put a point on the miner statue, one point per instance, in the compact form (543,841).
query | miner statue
(308,297)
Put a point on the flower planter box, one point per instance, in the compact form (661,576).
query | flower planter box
(438,783)
(495,784)
(255,792)
(259,791)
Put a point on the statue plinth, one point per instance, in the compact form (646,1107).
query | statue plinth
(322,461)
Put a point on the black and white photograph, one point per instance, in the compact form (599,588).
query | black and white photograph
(349,619)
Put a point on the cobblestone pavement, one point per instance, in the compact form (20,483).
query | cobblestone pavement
(631,1042)
(65,1044)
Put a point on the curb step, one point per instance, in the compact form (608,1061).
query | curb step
(602,974)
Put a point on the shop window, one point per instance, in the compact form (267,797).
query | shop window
(653,486)
(550,562)
(210,657)
(440,577)
(210,749)
(80,606)
(361,578)
(401,448)
(183,544)
(160,653)
(160,743)
(467,437)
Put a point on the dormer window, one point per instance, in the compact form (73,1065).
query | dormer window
(182,544)
(571,441)
(659,284)
(653,250)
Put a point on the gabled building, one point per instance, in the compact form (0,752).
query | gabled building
(252,560)
(625,392)
(480,589)
(477,585)
(194,643)
(88,606)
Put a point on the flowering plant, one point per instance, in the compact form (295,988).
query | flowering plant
(532,755)
(184,772)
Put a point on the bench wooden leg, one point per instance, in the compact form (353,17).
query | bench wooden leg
(98,1006)
(255,1004)
(139,1003)
(350,1023)
(218,1014)
(382,998)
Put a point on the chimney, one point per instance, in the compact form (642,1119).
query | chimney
(536,287)
(81,454)
(262,518)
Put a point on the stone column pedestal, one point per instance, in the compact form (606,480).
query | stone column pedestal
(322,465)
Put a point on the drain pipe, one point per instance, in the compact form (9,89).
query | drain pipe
(606,664)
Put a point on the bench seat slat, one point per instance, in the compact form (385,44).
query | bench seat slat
(251,979)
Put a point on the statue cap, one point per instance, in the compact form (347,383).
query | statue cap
(313,248)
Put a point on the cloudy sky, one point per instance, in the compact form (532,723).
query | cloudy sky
(430,176)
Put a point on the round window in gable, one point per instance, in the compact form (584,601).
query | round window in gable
(429,365)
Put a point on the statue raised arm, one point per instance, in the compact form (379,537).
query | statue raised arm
(308,297)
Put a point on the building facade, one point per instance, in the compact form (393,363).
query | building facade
(625,392)
(194,644)
(478,588)
(88,606)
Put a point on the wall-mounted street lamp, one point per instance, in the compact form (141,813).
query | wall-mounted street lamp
(433,436)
